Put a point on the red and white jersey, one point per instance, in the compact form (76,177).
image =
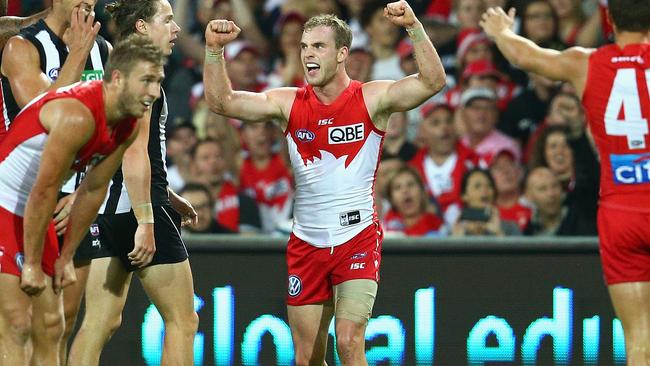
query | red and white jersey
(272,189)
(21,149)
(443,182)
(617,102)
(334,151)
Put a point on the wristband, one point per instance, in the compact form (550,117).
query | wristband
(212,56)
(144,213)
(416,33)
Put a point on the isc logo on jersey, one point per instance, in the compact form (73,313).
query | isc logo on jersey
(631,168)
(345,134)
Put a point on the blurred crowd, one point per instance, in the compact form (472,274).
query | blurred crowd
(497,152)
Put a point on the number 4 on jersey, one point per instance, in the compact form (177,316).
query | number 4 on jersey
(625,95)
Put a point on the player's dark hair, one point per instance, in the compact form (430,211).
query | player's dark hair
(128,52)
(126,13)
(342,31)
(630,15)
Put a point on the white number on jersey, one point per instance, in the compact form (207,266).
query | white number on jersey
(625,94)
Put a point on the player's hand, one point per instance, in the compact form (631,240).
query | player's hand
(62,213)
(83,30)
(32,279)
(400,14)
(187,212)
(220,32)
(145,246)
(495,21)
(64,274)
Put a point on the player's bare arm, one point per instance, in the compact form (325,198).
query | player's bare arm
(10,26)
(569,65)
(90,195)
(59,117)
(21,62)
(183,207)
(385,97)
(137,177)
(273,104)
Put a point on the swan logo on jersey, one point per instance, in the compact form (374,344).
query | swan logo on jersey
(305,135)
(295,286)
(53,74)
(630,168)
(345,134)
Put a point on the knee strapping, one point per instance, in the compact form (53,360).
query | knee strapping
(355,299)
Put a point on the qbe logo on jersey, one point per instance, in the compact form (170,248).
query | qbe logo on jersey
(630,168)
(345,134)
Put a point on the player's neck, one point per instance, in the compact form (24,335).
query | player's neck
(56,23)
(627,38)
(114,114)
(328,93)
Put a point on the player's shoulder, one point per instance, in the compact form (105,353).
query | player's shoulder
(18,49)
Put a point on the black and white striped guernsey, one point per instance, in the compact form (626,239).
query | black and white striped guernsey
(117,200)
(52,53)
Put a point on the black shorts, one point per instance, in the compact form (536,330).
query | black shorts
(90,245)
(117,232)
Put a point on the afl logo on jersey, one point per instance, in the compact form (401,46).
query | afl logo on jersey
(304,135)
(53,74)
(295,286)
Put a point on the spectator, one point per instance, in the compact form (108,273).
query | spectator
(359,64)
(552,151)
(508,175)
(443,161)
(479,114)
(411,211)
(468,13)
(288,67)
(236,212)
(540,24)
(395,141)
(199,197)
(180,140)
(551,217)
(355,9)
(479,215)
(575,27)
(265,177)
(383,36)
(387,168)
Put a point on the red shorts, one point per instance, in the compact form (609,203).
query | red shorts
(624,245)
(11,245)
(314,271)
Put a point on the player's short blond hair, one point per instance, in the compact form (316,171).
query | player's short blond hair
(342,31)
(128,52)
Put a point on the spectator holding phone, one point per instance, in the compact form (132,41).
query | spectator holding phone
(479,215)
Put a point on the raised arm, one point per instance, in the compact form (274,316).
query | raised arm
(569,65)
(9,26)
(411,91)
(21,61)
(248,106)
(70,126)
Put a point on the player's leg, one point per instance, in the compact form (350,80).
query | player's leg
(106,291)
(355,278)
(47,326)
(15,311)
(72,296)
(170,287)
(632,306)
(354,302)
(309,325)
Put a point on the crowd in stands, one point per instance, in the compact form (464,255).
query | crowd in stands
(497,152)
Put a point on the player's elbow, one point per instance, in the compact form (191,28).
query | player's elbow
(435,82)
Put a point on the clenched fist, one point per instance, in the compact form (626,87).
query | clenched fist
(220,32)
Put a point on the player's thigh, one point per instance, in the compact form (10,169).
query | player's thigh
(106,289)
(309,326)
(15,305)
(631,302)
(170,287)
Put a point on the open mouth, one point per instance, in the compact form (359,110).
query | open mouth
(312,68)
